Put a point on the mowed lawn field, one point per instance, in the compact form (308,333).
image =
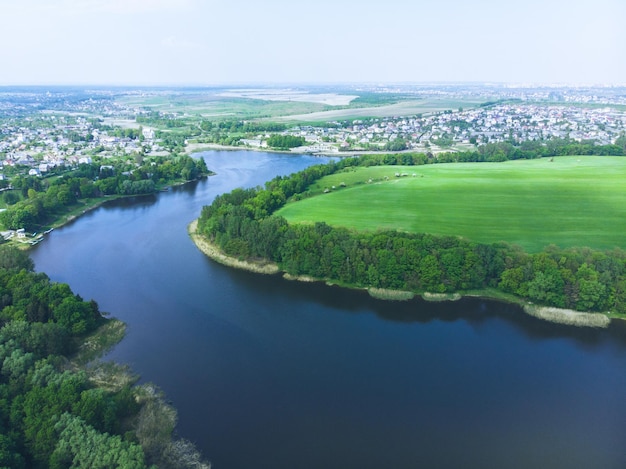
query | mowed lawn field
(567,201)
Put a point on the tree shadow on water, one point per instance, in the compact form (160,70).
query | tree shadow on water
(477,312)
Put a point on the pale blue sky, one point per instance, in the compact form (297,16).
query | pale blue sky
(167,42)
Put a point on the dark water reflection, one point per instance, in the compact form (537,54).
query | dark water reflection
(474,311)
(272,373)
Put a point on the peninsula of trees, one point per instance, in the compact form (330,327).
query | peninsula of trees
(243,225)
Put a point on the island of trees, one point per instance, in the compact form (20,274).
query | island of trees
(243,224)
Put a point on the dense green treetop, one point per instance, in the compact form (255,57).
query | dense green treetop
(285,142)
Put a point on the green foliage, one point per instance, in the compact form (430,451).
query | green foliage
(26,295)
(10,457)
(396,145)
(284,142)
(80,445)
(11,258)
(11,197)
(51,416)
(242,223)
(44,202)
(132,134)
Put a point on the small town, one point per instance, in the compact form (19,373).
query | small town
(48,132)
(465,129)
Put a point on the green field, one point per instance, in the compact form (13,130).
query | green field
(214,107)
(566,201)
(407,107)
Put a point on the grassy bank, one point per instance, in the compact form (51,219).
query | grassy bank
(390,295)
(73,212)
(436,297)
(78,209)
(96,344)
(567,316)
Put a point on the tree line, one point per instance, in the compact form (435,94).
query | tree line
(242,126)
(242,224)
(285,142)
(44,199)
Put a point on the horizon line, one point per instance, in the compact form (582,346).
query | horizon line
(487,83)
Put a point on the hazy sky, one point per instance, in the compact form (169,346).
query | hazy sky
(147,42)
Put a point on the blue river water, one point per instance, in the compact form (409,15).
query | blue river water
(270,373)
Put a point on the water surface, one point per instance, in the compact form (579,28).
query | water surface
(270,373)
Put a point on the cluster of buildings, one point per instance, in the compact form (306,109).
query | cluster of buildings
(44,142)
(41,130)
(513,123)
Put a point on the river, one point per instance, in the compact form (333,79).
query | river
(276,374)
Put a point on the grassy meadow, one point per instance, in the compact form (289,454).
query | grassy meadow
(566,201)
(213,105)
(405,107)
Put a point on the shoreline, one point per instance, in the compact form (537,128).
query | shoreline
(61,221)
(546,313)
(261,267)
(77,212)
(193,148)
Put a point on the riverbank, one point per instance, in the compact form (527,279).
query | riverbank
(192,148)
(77,211)
(555,315)
(82,207)
(567,316)
(259,267)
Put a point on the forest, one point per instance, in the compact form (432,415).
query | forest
(41,200)
(242,224)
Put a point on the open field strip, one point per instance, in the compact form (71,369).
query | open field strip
(566,201)
(402,108)
(331,99)
(211,106)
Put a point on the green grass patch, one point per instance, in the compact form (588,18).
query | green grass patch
(408,107)
(96,344)
(566,201)
(214,107)
(390,295)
